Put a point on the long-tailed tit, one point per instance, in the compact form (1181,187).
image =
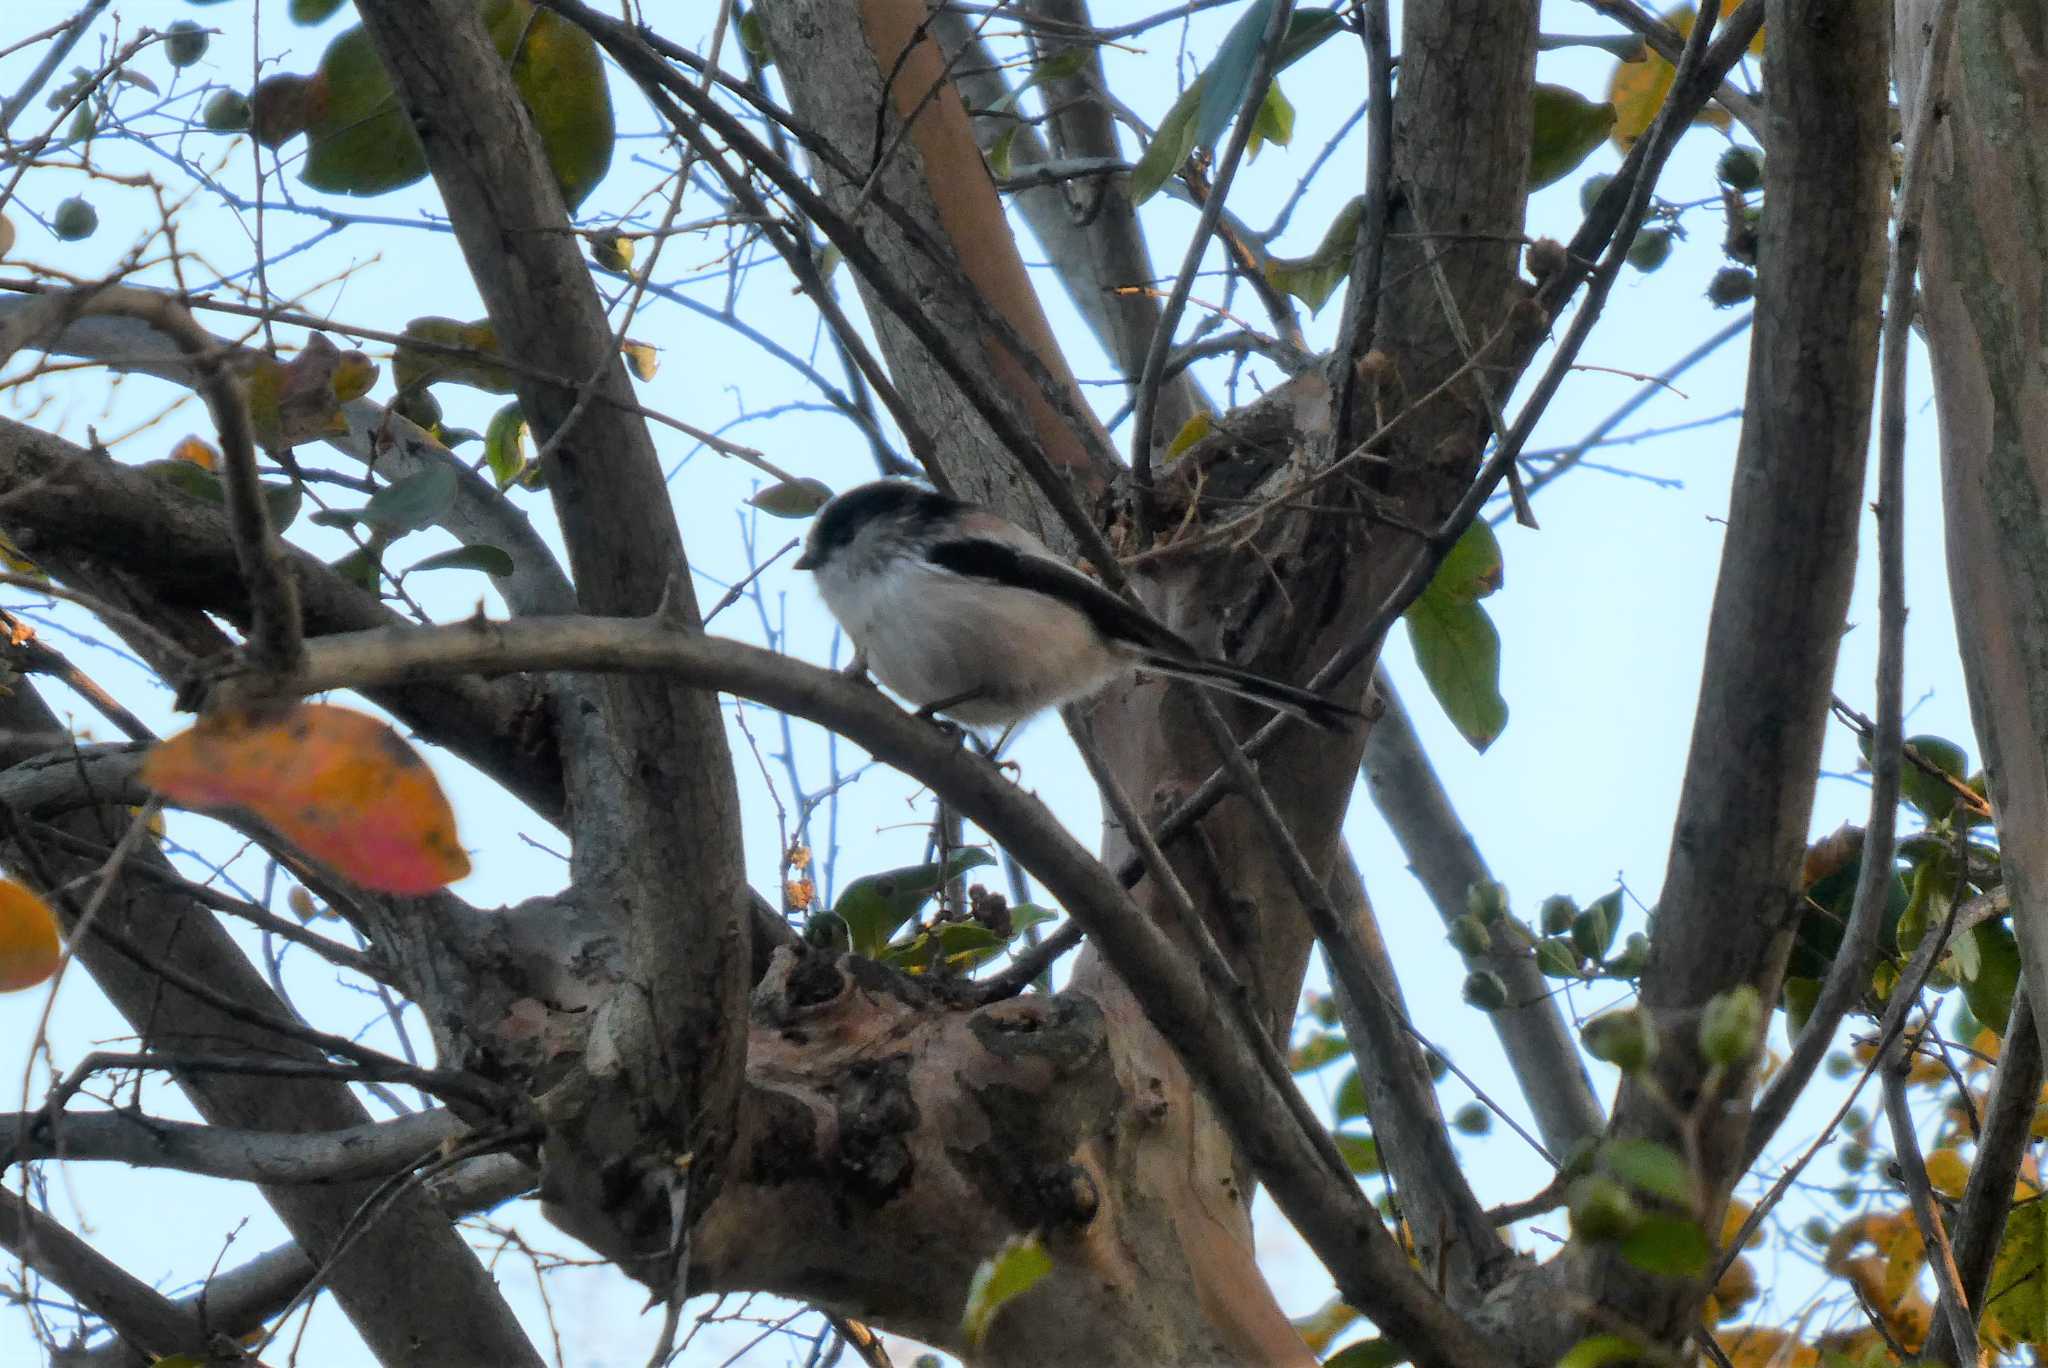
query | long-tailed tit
(963,612)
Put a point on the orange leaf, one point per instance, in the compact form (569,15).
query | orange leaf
(343,787)
(29,947)
(197,451)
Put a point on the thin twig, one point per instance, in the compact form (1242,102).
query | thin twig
(1145,405)
(1955,1310)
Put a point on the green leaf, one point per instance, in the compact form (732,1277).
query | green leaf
(1456,646)
(999,152)
(1990,989)
(1318,1050)
(1473,568)
(1566,128)
(1600,1351)
(1361,1153)
(412,503)
(1313,279)
(1227,79)
(959,945)
(505,444)
(560,75)
(1668,1245)
(1369,1353)
(1176,138)
(792,498)
(754,37)
(358,567)
(2017,1300)
(313,11)
(876,906)
(1555,958)
(280,500)
(490,559)
(1934,798)
(358,141)
(1010,1272)
(1350,1097)
(1592,932)
(1650,1168)
(1274,123)
(1458,652)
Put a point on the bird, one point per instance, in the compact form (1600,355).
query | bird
(962,612)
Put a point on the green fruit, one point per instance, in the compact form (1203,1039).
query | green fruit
(1590,190)
(1651,248)
(1635,953)
(1557,914)
(1601,1209)
(185,43)
(1486,990)
(1730,286)
(1730,1026)
(226,112)
(1487,900)
(75,218)
(1472,1119)
(1741,169)
(1624,1039)
(1470,935)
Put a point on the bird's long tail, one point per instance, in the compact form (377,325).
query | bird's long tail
(1312,708)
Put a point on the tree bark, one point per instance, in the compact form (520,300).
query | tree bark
(1984,305)
(1730,897)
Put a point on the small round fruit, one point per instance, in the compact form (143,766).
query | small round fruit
(1741,169)
(185,43)
(226,112)
(1730,286)
(1590,190)
(1651,249)
(75,218)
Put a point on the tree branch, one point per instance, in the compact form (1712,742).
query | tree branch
(374,1150)
(412,1286)
(134,1310)
(1311,1185)
(1729,902)
(1849,974)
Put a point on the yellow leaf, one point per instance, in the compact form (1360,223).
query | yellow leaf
(29,947)
(341,786)
(641,359)
(1191,432)
(1638,89)
(1947,1171)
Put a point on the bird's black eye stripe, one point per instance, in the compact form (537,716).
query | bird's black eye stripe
(841,520)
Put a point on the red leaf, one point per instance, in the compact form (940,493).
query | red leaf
(343,787)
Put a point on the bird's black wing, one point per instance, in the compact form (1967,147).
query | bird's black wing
(1000,563)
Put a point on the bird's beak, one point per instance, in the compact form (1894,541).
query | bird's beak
(805,562)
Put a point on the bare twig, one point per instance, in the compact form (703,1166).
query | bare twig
(1955,1309)
(1144,405)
